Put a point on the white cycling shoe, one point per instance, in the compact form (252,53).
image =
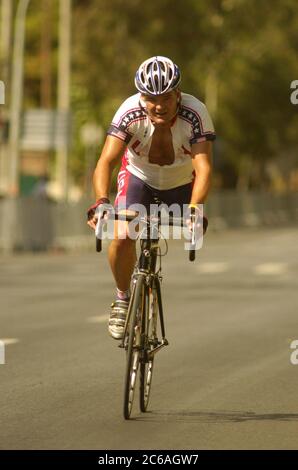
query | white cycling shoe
(117,320)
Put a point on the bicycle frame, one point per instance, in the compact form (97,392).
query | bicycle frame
(146,267)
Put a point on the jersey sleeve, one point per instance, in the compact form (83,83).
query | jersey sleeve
(202,125)
(124,123)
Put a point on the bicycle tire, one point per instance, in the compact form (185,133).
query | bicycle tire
(150,340)
(133,348)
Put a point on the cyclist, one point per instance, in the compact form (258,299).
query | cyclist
(164,137)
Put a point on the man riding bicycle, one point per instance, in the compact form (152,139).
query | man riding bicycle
(164,137)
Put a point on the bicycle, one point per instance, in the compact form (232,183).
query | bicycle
(144,331)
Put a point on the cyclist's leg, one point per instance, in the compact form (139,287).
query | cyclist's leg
(122,258)
(122,250)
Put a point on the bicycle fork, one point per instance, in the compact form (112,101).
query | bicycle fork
(164,342)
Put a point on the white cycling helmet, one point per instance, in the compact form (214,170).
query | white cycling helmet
(157,75)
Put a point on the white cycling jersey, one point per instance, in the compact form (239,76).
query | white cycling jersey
(132,125)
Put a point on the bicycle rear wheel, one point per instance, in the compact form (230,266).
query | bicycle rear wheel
(150,342)
(134,344)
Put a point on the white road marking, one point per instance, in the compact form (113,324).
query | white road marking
(98,319)
(3,343)
(2,353)
(9,341)
(271,268)
(213,267)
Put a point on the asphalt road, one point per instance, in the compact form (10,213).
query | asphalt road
(225,382)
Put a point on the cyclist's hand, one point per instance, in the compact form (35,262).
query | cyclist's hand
(99,210)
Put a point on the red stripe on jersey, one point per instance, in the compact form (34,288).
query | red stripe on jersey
(134,147)
(122,179)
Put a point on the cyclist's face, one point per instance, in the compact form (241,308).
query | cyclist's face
(161,109)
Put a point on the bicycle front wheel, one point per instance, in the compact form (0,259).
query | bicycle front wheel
(150,342)
(134,344)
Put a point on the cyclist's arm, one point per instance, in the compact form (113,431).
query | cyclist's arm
(110,156)
(201,154)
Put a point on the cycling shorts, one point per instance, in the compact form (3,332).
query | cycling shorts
(133,190)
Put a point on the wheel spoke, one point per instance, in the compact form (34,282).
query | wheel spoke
(146,369)
(133,347)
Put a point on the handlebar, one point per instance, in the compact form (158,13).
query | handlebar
(169,221)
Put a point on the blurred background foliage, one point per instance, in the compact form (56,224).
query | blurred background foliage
(237,56)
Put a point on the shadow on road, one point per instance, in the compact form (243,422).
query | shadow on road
(215,417)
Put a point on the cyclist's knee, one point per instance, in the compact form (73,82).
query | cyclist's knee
(123,231)
(123,244)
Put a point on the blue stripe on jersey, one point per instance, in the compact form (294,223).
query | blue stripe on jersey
(120,134)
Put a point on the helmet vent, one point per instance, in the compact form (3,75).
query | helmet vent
(157,75)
